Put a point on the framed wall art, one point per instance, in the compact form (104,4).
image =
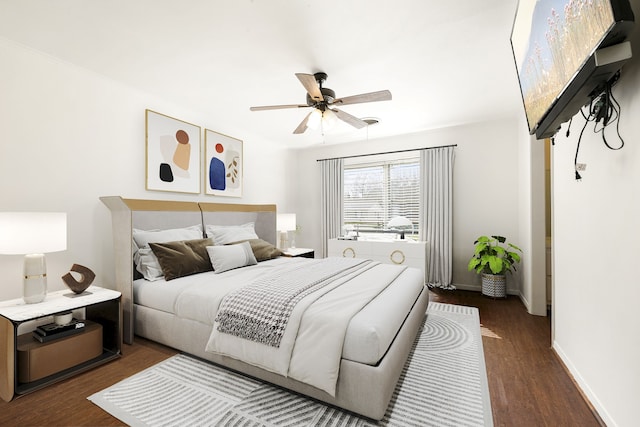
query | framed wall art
(173,154)
(223,164)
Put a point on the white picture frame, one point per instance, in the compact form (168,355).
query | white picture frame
(224,165)
(172,154)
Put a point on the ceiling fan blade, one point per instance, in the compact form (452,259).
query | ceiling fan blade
(311,85)
(303,125)
(348,118)
(381,95)
(277,107)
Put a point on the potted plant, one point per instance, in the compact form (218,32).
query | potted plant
(493,258)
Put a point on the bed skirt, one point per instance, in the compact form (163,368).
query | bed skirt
(363,389)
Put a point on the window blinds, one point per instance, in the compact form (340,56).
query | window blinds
(376,192)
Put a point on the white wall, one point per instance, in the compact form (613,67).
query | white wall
(531,199)
(595,249)
(70,136)
(485,186)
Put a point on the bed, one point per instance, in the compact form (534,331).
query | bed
(186,312)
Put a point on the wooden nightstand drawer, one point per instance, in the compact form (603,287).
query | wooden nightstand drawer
(37,360)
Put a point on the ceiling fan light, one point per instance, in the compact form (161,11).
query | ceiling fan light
(329,119)
(314,119)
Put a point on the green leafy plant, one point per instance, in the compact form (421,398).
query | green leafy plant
(493,255)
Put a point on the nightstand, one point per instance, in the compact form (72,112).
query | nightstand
(101,309)
(299,252)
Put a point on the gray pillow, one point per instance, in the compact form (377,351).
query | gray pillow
(262,250)
(228,257)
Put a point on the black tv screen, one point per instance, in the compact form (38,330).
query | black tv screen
(553,42)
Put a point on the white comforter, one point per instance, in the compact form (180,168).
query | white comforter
(311,348)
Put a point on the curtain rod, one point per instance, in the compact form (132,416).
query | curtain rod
(387,152)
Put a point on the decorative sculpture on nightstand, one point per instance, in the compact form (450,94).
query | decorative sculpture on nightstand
(86,278)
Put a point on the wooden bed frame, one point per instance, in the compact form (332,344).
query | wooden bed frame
(361,388)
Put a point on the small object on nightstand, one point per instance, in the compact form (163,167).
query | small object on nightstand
(52,331)
(299,252)
(63,318)
(86,278)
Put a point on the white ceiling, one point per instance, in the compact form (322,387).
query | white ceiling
(445,62)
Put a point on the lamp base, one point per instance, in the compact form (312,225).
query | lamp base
(34,288)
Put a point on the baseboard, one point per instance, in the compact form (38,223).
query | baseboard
(478,288)
(589,397)
(525,301)
(464,287)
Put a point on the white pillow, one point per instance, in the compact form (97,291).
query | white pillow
(145,260)
(224,234)
(144,237)
(147,264)
(228,257)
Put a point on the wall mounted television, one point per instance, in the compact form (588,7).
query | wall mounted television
(565,53)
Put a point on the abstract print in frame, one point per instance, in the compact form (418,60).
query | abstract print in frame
(223,164)
(173,154)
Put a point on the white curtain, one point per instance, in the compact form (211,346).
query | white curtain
(436,214)
(331,198)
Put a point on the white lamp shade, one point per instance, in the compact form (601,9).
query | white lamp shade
(399,221)
(326,118)
(286,222)
(32,232)
(329,119)
(313,122)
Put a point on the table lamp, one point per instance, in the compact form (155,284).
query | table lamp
(33,234)
(285,222)
(399,223)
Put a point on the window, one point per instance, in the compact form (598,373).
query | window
(376,192)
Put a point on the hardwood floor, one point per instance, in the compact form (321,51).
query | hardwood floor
(528,384)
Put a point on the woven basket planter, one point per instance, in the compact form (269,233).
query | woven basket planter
(494,285)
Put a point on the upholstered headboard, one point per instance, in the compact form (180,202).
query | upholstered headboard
(127,214)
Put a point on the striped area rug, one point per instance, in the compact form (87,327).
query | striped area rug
(444,383)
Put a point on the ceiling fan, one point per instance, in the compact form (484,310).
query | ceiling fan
(323,101)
